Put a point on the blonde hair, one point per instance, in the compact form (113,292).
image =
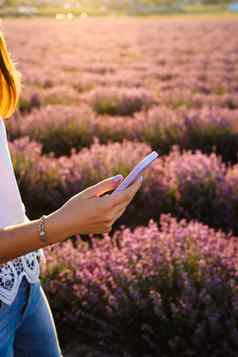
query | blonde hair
(10,81)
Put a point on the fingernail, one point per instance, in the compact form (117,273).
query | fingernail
(141,178)
(117,177)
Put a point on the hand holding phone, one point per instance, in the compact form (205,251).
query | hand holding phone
(137,170)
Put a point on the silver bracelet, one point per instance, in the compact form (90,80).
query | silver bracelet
(42,229)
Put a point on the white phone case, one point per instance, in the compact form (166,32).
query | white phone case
(137,170)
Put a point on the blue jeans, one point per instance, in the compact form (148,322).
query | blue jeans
(27,327)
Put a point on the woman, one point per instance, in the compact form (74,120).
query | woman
(26,324)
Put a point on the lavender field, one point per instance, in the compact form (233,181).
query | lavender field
(98,95)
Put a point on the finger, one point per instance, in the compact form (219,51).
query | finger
(119,207)
(104,186)
(118,214)
(127,194)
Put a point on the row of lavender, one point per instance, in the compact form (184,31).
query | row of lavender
(100,78)
(179,61)
(186,184)
(59,128)
(167,290)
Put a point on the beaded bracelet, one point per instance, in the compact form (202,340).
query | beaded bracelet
(42,229)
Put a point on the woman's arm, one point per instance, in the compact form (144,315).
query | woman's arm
(22,238)
(85,213)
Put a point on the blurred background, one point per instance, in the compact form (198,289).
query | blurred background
(69,9)
(103,84)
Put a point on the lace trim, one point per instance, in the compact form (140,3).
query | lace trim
(12,273)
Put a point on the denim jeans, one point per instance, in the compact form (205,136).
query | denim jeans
(27,327)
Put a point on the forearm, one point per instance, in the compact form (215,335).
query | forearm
(22,238)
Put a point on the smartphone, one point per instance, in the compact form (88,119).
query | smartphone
(137,170)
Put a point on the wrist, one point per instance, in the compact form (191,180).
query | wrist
(55,228)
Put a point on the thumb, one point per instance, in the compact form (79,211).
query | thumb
(105,185)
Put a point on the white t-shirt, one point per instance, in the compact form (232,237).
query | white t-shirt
(12,211)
